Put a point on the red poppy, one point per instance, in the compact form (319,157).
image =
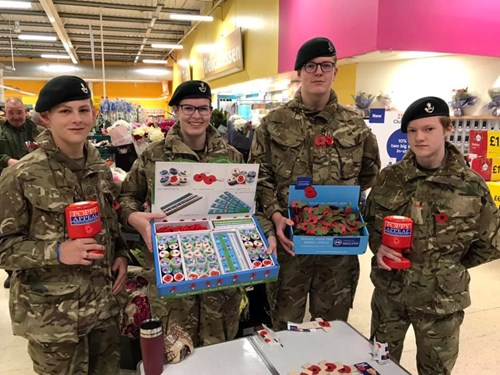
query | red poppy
(310,192)
(441,218)
(328,140)
(319,141)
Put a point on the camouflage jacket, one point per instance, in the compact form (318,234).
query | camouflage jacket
(456,226)
(137,187)
(50,301)
(12,140)
(284,147)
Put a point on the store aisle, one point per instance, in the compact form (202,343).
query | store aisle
(479,344)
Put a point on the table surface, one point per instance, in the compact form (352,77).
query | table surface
(250,355)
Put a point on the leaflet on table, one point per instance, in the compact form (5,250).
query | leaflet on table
(204,190)
(210,239)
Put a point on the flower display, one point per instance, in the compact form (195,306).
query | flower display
(495,101)
(461,98)
(144,134)
(243,126)
(137,308)
(362,100)
(325,220)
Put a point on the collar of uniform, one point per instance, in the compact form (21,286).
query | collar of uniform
(175,142)
(326,114)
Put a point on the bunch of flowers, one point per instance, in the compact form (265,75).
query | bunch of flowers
(325,220)
(495,101)
(243,126)
(461,98)
(385,100)
(137,308)
(145,134)
(362,100)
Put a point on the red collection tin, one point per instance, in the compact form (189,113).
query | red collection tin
(397,233)
(83,220)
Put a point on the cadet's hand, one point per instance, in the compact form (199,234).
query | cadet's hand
(78,251)
(120,268)
(273,245)
(12,161)
(140,221)
(384,251)
(280,223)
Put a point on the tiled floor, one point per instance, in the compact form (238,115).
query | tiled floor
(479,343)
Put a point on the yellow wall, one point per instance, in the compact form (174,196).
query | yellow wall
(260,40)
(345,83)
(146,94)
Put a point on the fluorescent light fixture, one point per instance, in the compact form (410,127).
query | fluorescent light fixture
(167,46)
(183,62)
(152,61)
(190,17)
(15,4)
(17,90)
(152,71)
(44,38)
(58,68)
(55,56)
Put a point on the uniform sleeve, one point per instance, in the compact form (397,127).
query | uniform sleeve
(134,190)
(17,249)
(260,153)
(370,165)
(487,246)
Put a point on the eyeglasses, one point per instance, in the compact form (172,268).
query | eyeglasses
(189,110)
(311,67)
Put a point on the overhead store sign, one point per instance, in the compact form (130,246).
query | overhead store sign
(226,58)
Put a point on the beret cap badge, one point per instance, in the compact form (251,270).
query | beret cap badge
(428,106)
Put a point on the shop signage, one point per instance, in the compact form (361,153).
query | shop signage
(226,59)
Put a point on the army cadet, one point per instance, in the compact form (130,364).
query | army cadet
(456,227)
(291,143)
(211,317)
(63,293)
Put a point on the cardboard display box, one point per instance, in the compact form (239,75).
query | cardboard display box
(210,239)
(484,143)
(338,196)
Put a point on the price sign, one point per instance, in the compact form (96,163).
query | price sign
(495,191)
(493,143)
(495,169)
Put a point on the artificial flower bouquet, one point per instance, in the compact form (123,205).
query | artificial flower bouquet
(137,308)
(461,98)
(495,101)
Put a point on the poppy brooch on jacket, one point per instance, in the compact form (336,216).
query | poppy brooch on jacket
(441,218)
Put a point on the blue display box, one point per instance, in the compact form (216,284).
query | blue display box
(210,239)
(332,195)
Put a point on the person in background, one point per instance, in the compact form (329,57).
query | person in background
(14,132)
(456,227)
(291,143)
(37,119)
(63,293)
(208,318)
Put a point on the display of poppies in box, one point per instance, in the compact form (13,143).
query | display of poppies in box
(210,239)
(326,220)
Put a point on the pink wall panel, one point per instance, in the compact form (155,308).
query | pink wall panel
(350,24)
(459,26)
(360,26)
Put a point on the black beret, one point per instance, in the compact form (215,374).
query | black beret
(429,106)
(60,90)
(190,90)
(316,47)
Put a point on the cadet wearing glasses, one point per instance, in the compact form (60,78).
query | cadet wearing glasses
(209,318)
(290,143)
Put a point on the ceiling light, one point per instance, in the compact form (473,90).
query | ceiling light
(167,46)
(152,71)
(151,61)
(55,56)
(190,17)
(15,4)
(45,38)
(59,68)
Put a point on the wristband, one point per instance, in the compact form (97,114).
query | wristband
(58,252)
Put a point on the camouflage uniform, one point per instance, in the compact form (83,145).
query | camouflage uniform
(209,318)
(12,140)
(68,313)
(456,227)
(284,147)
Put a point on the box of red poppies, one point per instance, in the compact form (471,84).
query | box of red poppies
(210,239)
(327,220)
